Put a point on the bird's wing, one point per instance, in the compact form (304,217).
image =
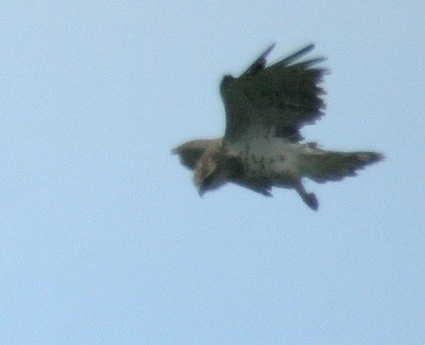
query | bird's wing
(282,97)
(190,152)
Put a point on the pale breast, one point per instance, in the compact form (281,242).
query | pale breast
(267,157)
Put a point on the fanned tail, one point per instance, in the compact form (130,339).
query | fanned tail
(322,166)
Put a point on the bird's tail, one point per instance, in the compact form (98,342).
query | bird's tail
(322,166)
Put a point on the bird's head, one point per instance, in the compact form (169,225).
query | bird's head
(210,172)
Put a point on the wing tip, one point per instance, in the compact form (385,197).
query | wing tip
(260,62)
(269,49)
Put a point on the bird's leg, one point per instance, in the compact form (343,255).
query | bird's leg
(309,198)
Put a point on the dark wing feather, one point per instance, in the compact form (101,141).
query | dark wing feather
(284,96)
(260,63)
(190,152)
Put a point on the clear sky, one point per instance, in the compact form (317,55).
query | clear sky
(104,239)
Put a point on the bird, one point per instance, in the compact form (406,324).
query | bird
(262,147)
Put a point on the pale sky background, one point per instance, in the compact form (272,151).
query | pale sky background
(104,239)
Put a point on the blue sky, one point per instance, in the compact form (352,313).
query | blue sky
(104,239)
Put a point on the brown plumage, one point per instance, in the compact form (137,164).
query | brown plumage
(265,109)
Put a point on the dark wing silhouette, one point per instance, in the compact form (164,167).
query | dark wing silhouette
(192,151)
(283,97)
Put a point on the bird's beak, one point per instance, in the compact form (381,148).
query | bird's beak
(201,191)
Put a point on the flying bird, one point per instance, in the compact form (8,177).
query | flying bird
(262,145)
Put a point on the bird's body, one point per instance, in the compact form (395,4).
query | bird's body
(261,148)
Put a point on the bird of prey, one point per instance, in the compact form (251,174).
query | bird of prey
(262,146)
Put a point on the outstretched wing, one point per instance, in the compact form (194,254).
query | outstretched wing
(282,97)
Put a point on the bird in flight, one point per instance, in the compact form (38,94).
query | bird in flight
(262,146)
